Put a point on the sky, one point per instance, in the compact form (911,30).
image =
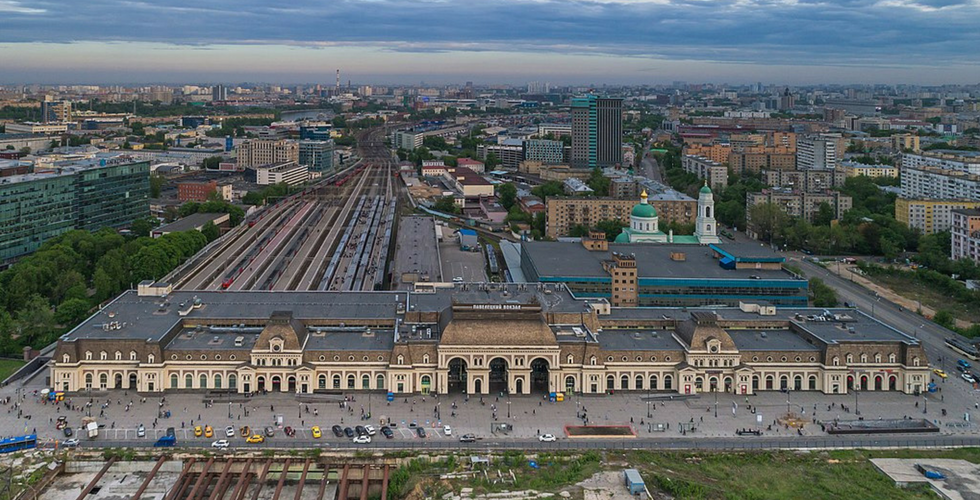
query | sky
(589,42)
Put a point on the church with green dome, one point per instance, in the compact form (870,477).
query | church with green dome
(644,223)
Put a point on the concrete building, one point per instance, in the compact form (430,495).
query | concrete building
(195,191)
(854,169)
(902,142)
(40,206)
(510,155)
(805,180)
(544,151)
(718,153)
(483,339)
(929,216)
(316,155)
(291,173)
(939,184)
(799,203)
(55,111)
(819,152)
(193,222)
(469,183)
(555,129)
(946,159)
(565,213)
(36,128)
(474,165)
(597,132)
(757,159)
(965,235)
(257,152)
(715,173)
(577,187)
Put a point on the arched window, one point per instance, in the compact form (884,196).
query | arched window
(653,383)
(132,355)
(204,381)
(232,381)
(610,383)
(891,358)
(624,382)
(425,359)
(103,355)
(350,381)
(150,358)
(668,382)
(864,358)
(836,361)
(915,361)
(877,358)
(174,380)
(321,382)
(849,359)
(188,381)
(639,382)
(813,382)
(571,359)
(88,355)
(380,381)
(365,381)
(401,359)
(426,380)
(592,361)
(103,380)
(217,381)
(118,356)
(88,380)
(336,381)
(66,358)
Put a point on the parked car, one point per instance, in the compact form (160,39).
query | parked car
(171,432)
(348,432)
(360,430)
(70,443)
(467,438)
(221,444)
(387,432)
(289,431)
(969,378)
(270,431)
(447,430)
(229,431)
(68,432)
(337,431)
(141,431)
(255,438)
(362,439)
(963,363)
(198,431)
(547,438)
(940,373)
(420,431)
(208,431)
(315,431)
(370,430)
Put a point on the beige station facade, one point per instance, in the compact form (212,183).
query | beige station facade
(473,338)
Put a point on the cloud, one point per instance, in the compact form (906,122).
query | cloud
(860,33)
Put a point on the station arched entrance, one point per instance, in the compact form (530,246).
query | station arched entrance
(457,375)
(498,375)
(540,376)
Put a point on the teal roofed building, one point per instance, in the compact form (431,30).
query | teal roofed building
(645,224)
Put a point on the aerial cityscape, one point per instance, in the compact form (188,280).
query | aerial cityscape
(447,250)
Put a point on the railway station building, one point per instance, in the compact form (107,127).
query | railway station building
(475,339)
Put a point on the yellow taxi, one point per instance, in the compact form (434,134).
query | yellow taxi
(255,438)
(940,373)
(208,431)
(316,432)
(198,431)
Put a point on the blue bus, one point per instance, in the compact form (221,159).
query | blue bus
(10,445)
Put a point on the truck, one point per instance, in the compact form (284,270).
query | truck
(165,441)
(91,427)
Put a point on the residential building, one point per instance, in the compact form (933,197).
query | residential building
(819,152)
(219,93)
(805,180)
(799,203)
(474,165)
(555,129)
(544,151)
(510,156)
(946,159)
(939,184)
(316,155)
(965,235)
(575,186)
(715,173)
(55,111)
(759,158)
(597,132)
(291,173)
(195,191)
(36,128)
(406,139)
(469,183)
(902,142)
(717,153)
(854,169)
(929,216)
(564,213)
(258,152)
(40,206)
(535,338)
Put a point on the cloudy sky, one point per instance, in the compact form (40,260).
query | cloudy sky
(487,41)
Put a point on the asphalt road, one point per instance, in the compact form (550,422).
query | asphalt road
(650,168)
(692,443)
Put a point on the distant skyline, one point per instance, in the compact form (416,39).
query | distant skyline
(504,41)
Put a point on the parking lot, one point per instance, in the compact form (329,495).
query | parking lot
(456,263)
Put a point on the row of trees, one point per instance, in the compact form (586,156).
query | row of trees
(49,292)
(268,193)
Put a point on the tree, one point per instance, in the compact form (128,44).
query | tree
(824,216)
(210,231)
(540,222)
(507,195)
(612,228)
(72,311)
(157,182)
(550,188)
(767,221)
(944,318)
(492,161)
(446,204)
(823,295)
(142,226)
(598,182)
(35,319)
(211,163)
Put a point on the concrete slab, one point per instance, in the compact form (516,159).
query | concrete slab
(962,478)
(456,263)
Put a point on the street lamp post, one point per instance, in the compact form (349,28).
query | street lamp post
(716,402)
(229,409)
(857,410)
(508,406)
(925,404)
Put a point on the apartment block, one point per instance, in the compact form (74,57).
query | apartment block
(902,142)
(316,155)
(854,169)
(758,158)
(947,159)
(717,153)
(965,235)
(564,213)
(930,216)
(810,181)
(258,152)
(715,173)
(819,152)
(939,184)
(799,203)
(291,173)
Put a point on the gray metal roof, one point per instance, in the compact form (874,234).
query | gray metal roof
(638,340)
(770,340)
(350,340)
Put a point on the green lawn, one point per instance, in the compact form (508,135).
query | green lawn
(8,366)
(908,287)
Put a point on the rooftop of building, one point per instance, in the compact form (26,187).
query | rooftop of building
(190,222)
(638,340)
(653,260)
(770,340)
(968,155)
(969,212)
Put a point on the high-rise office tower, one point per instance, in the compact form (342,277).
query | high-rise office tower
(597,131)
(219,93)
